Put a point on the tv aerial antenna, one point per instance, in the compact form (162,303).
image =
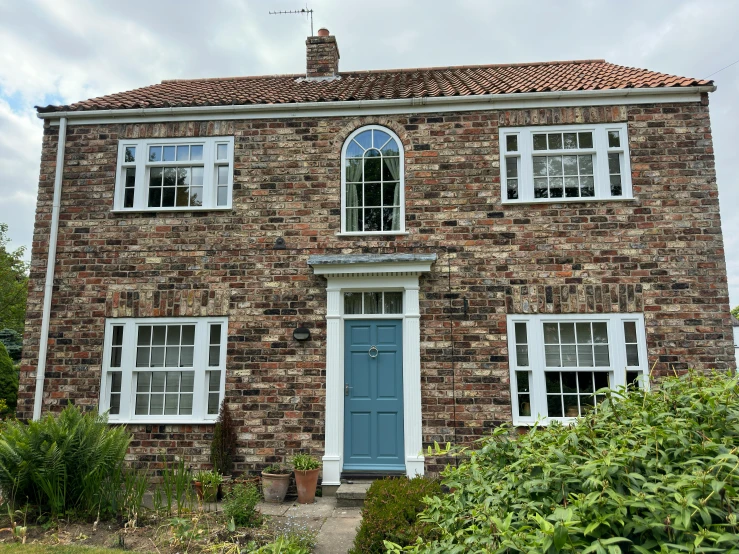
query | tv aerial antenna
(304,11)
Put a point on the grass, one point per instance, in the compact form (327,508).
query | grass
(43,548)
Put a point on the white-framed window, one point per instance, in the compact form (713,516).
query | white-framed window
(178,174)
(164,370)
(372,182)
(373,302)
(559,362)
(565,164)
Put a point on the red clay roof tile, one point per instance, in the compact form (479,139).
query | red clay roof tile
(384,84)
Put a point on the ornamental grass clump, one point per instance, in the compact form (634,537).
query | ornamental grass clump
(649,472)
(71,462)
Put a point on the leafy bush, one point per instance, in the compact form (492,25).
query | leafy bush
(390,511)
(649,472)
(240,505)
(13,342)
(8,380)
(69,462)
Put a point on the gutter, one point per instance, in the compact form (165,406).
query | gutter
(463,102)
(50,266)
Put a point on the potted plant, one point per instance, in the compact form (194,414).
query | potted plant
(275,480)
(306,477)
(206,485)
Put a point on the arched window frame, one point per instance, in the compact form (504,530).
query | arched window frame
(401,181)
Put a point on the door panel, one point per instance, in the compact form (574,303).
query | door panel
(373,401)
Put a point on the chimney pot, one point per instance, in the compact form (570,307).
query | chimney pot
(322,55)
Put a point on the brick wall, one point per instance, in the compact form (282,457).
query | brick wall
(661,254)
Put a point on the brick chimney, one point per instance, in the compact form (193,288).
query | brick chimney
(322,55)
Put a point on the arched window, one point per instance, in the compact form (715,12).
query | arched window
(372,196)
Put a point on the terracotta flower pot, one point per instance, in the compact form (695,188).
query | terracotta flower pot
(198,489)
(307,481)
(274,486)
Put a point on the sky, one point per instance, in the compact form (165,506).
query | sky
(61,51)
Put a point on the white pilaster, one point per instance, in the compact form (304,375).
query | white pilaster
(334,389)
(414,461)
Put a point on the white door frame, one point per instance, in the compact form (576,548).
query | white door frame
(383,272)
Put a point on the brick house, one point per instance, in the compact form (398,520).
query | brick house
(363,263)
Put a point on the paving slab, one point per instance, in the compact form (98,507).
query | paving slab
(273,508)
(337,535)
(322,507)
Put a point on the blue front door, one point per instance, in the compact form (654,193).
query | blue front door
(373,395)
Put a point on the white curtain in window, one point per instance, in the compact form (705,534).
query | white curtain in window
(393,166)
(353,175)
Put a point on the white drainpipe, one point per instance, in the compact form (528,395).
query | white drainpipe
(50,265)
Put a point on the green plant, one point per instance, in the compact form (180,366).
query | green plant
(210,481)
(61,463)
(223,446)
(390,511)
(8,380)
(305,462)
(13,342)
(276,469)
(649,472)
(240,505)
(291,537)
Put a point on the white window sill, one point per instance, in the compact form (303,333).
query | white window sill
(158,421)
(171,210)
(373,234)
(544,422)
(569,200)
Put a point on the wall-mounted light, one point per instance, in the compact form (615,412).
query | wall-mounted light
(301,334)
(280,244)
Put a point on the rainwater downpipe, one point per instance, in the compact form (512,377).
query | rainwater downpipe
(50,266)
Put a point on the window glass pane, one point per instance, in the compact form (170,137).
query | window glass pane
(393,302)
(159,332)
(372,219)
(632,379)
(551,333)
(115,356)
(512,143)
(540,142)
(372,302)
(585,381)
(115,381)
(143,381)
(540,188)
(173,356)
(391,219)
(554,165)
(215,333)
(372,194)
(186,356)
(352,303)
(521,337)
(115,404)
(354,221)
(552,381)
(173,334)
(379,138)
(567,332)
(587,186)
(522,355)
(585,139)
(168,196)
(142,404)
(130,177)
(585,355)
(364,139)
(157,381)
(554,406)
(632,355)
(570,165)
(372,169)
(522,381)
(222,152)
(540,166)
(586,164)
(511,166)
(391,149)
(555,188)
(183,153)
(601,356)
(128,197)
(583,333)
(614,162)
(157,356)
(614,140)
(168,154)
(214,380)
(155,177)
(173,381)
(391,194)
(512,189)
(555,141)
(130,154)
(524,405)
(212,403)
(214,355)
(354,150)
(223,196)
(601,380)
(353,195)
(616,185)
(600,332)
(170,404)
(142,356)
(551,355)
(186,404)
(570,140)
(630,331)
(155,153)
(569,355)
(187,381)
(196,152)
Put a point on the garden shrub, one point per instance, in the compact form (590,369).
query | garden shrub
(63,463)
(649,472)
(241,505)
(8,380)
(389,513)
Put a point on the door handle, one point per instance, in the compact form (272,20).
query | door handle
(347,388)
